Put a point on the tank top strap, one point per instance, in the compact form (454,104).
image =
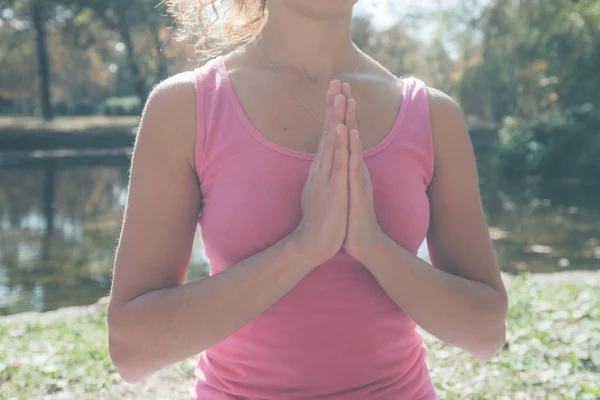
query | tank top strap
(415,129)
(199,75)
(417,99)
(206,84)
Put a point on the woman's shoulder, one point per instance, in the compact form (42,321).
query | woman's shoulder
(445,113)
(176,87)
(184,85)
(449,132)
(169,119)
(173,100)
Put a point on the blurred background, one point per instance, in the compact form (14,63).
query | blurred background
(74,76)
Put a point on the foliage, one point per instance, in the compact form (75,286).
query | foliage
(552,349)
(552,352)
(112,106)
(67,356)
(559,143)
(392,47)
(17,106)
(125,17)
(500,58)
(80,107)
(130,105)
(533,65)
(95,49)
(534,57)
(101,48)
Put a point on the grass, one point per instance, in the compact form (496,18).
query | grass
(552,352)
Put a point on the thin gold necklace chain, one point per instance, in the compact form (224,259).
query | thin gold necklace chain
(289,87)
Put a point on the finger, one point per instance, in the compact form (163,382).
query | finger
(350,117)
(334,88)
(327,140)
(327,157)
(346,90)
(320,148)
(355,161)
(339,110)
(339,174)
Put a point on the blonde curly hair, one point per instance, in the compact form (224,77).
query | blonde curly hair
(216,26)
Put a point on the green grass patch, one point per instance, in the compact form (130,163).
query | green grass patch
(552,352)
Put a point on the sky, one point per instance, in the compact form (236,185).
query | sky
(386,12)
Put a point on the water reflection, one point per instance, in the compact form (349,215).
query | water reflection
(545,226)
(58,233)
(59,228)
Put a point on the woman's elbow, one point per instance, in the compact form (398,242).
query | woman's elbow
(125,362)
(491,345)
(123,355)
(492,335)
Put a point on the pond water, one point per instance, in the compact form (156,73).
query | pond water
(59,228)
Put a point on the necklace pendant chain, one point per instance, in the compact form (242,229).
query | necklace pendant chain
(302,103)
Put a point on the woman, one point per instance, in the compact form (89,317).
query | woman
(313,197)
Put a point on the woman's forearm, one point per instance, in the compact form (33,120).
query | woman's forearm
(465,313)
(168,325)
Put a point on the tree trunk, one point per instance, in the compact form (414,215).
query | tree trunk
(139,83)
(42,58)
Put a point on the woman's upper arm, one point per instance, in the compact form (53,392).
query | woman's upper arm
(164,196)
(458,238)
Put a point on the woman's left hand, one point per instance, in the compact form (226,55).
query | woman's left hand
(362,230)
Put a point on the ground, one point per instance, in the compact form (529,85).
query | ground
(64,124)
(552,352)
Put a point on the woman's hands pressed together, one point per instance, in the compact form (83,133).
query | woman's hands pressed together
(337,199)
(362,227)
(324,199)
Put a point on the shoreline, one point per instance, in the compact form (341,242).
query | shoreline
(580,277)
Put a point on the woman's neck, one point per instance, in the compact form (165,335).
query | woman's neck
(316,48)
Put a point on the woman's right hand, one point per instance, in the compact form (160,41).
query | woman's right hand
(324,200)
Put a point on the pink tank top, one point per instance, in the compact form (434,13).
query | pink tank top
(336,334)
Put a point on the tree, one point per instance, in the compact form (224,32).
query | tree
(37,13)
(535,57)
(392,47)
(38,18)
(97,49)
(127,17)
